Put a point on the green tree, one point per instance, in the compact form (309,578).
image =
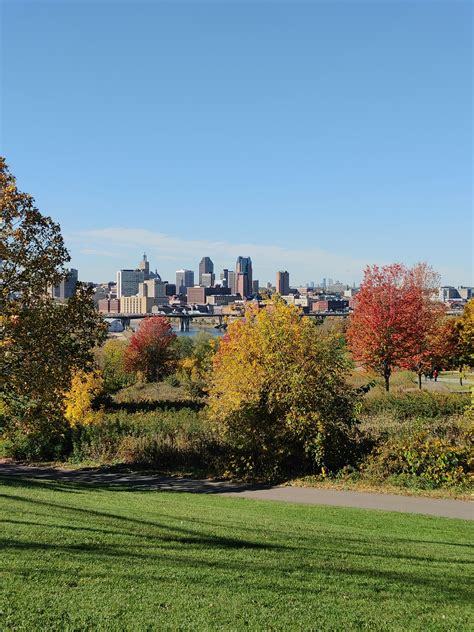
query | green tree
(278,393)
(111,360)
(41,342)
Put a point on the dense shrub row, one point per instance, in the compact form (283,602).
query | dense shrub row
(416,404)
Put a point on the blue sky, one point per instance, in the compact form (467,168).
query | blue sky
(313,136)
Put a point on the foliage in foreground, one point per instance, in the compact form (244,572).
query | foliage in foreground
(278,394)
(41,343)
(122,560)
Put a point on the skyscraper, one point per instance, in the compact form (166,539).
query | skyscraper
(225,278)
(207,279)
(283,282)
(205,267)
(66,287)
(232,281)
(184,279)
(243,273)
(128,282)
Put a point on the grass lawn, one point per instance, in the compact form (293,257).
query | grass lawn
(81,558)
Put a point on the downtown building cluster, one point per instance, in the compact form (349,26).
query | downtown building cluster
(142,291)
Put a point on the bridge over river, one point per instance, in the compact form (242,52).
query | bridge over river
(185,319)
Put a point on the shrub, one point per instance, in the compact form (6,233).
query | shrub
(79,400)
(415,404)
(162,439)
(278,395)
(433,461)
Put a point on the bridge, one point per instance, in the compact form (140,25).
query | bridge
(186,318)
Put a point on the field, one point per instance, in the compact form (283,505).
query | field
(82,558)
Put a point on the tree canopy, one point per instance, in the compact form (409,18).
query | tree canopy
(278,393)
(41,342)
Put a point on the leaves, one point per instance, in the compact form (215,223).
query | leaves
(277,390)
(394,317)
(151,351)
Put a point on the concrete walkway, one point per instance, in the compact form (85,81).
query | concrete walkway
(305,495)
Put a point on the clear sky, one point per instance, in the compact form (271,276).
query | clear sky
(313,136)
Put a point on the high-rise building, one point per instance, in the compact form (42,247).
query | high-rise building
(225,277)
(283,282)
(128,282)
(232,281)
(67,285)
(207,279)
(255,286)
(184,279)
(205,267)
(243,273)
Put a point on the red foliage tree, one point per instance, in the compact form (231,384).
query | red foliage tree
(393,317)
(151,350)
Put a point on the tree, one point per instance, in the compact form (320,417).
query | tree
(465,328)
(151,351)
(41,342)
(426,317)
(194,370)
(393,318)
(278,395)
(111,359)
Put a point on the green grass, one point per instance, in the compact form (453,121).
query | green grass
(81,558)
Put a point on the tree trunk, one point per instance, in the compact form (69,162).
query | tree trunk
(386,375)
(419,381)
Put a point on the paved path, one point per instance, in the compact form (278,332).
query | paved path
(304,495)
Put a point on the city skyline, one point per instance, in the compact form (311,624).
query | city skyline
(307,137)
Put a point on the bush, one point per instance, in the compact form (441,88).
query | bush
(163,439)
(278,395)
(431,461)
(415,404)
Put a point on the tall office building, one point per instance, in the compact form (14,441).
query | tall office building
(225,278)
(243,273)
(232,281)
(283,283)
(184,279)
(207,279)
(255,286)
(205,267)
(67,286)
(128,282)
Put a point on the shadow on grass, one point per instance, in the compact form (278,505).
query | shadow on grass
(116,478)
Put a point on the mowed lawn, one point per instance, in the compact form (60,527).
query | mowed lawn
(83,558)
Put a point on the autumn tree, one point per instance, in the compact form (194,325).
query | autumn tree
(151,352)
(393,319)
(465,329)
(194,369)
(278,395)
(111,359)
(41,342)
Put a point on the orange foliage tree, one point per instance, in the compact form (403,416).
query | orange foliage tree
(394,317)
(151,351)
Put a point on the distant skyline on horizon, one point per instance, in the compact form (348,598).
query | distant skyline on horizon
(316,137)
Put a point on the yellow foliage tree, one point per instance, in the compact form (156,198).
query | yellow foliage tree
(85,387)
(278,393)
